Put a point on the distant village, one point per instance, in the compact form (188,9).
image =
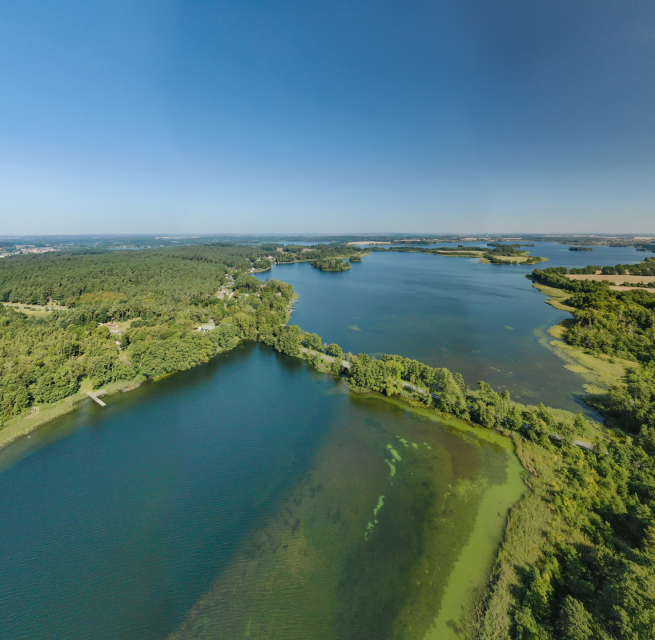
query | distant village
(18,249)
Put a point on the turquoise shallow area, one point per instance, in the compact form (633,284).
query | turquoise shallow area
(484,321)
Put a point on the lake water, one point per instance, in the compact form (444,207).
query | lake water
(254,497)
(249,497)
(485,321)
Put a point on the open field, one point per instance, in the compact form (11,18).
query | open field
(616,280)
(33,308)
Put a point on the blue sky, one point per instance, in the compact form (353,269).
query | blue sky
(234,117)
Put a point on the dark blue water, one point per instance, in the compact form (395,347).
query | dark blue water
(119,517)
(484,321)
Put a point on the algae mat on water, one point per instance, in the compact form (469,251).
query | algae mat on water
(387,535)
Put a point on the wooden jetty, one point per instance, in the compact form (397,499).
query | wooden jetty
(94,396)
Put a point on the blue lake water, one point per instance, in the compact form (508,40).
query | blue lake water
(485,321)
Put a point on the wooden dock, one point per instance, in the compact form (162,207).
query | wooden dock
(94,396)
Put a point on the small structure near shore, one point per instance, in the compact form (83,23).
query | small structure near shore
(94,396)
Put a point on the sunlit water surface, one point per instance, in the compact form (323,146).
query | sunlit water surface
(253,497)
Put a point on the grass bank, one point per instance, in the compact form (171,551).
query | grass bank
(555,297)
(23,425)
(599,372)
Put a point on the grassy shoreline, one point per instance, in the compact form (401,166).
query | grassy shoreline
(40,415)
(600,372)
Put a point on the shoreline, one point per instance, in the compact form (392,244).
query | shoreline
(42,414)
(464,589)
(599,373)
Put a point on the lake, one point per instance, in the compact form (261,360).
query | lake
(248,497)
(255,497)
(484,321)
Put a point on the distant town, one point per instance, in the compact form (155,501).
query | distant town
(5,252)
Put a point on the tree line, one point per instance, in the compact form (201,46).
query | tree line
(331,264)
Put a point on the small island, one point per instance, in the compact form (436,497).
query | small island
(331,264)
(580,249)
(509,254)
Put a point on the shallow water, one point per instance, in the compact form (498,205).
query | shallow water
(365,545)
(255,481)
(484,321)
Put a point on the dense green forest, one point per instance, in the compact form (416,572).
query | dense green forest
(330,264)
(157,298)
(608,322)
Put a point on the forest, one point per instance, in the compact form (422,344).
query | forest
(156,297)
(608,322)
(331,264)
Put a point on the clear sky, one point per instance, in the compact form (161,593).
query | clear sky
(200,116)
